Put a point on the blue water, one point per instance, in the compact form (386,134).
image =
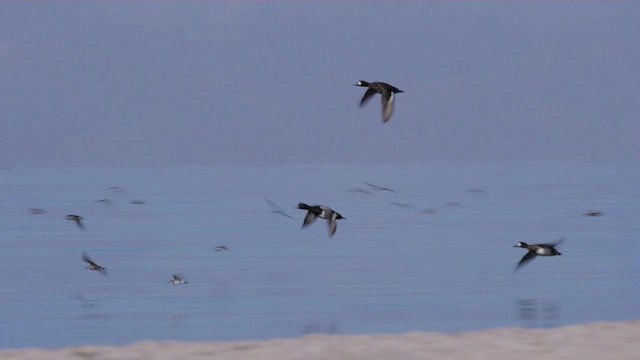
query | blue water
(436,255)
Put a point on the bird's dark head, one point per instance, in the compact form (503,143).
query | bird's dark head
(361,83)
(303,206)
(521,245)
(338,217)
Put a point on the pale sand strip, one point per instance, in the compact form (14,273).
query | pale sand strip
(598,341)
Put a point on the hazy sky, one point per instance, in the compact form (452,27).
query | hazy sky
(153,83)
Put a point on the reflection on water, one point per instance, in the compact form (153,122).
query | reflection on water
(87,302)
(178,320)
(534,313)
(320,328)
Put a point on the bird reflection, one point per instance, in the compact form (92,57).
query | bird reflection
(331,328)
(536,313)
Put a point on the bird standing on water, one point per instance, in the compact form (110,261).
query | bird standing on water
(537,250)
(386,91)
(323,212)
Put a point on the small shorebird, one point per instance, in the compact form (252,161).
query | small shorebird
(537,250)
(77,219)
(178,280)
(323,212)
(92,265)
(386,91)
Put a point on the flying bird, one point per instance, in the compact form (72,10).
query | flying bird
(92,265)
(323,212)
(77,219)
(386,91)
(178,279)
(277,209)
(378,187)
(537,250)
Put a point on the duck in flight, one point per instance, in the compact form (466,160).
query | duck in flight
(323,212)
(178,279)
(537,250)
(385,90)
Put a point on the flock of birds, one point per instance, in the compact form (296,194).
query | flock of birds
(387,93)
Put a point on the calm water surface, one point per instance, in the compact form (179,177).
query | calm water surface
(436,255)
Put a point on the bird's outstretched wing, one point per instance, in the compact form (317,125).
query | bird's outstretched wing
(367,96)
(525,259)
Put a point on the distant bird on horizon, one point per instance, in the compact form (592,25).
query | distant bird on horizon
(277,209)
(378,187)
(593,213)
(105,202)
(77,219)
(178,279)
(92,265)
(386,91)
(323,212)
(221,248)
(534,250)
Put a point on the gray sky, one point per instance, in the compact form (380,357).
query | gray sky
(154,83)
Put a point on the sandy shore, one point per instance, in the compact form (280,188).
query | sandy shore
(590,341)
